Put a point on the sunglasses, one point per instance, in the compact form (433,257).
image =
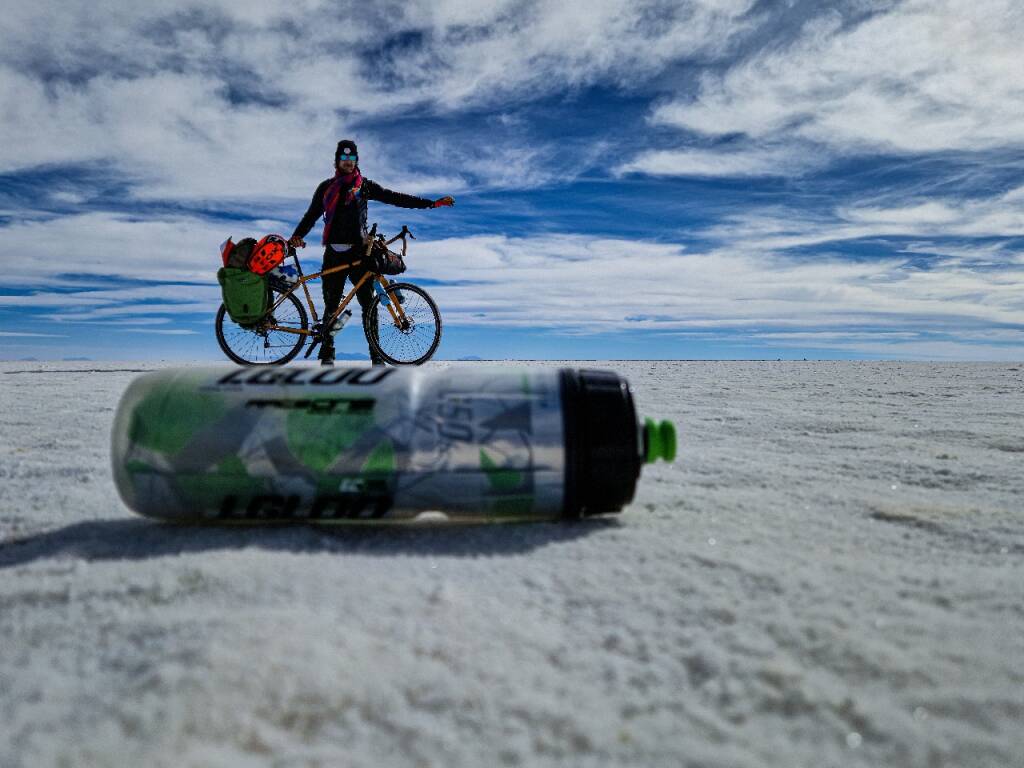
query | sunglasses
(343,158)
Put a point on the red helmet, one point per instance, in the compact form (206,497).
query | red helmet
(267,254)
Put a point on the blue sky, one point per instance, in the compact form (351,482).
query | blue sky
(690,179)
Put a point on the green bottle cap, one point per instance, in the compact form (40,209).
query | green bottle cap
(660,438)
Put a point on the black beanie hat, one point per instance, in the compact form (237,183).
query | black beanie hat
(345,147)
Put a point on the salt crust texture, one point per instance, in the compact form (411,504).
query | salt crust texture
(830,575)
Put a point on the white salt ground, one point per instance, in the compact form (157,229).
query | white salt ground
(830,575)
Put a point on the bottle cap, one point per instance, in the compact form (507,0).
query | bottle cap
(659,441)
(603,446)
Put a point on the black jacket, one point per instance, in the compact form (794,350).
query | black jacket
(349,222)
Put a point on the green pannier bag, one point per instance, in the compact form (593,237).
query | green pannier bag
(245,293)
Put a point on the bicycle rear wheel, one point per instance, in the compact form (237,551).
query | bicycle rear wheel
(412,339)
(263,343)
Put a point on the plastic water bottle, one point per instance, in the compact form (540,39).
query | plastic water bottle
(397,293)
(343,318)
(381,443)
(382,293)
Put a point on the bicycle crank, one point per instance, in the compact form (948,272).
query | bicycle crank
(317,340)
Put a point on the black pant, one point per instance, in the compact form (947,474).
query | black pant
(334,290)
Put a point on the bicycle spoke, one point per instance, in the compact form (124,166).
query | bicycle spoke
(415,337)
(264,344)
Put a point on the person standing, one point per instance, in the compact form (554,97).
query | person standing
(341,200)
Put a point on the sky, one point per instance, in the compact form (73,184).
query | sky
(692,179)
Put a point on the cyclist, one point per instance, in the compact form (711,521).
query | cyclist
(341,200)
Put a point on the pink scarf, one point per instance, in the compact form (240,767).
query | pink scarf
(350,181)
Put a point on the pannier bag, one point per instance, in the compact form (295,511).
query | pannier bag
(245,293)
(386,262)
(267,254)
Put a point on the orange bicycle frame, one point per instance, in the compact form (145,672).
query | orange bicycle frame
(395,308)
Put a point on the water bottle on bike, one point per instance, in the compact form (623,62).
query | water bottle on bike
(338,324)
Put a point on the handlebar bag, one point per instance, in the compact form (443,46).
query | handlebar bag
(385,261)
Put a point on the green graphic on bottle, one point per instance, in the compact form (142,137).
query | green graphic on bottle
(170,415)
(502,480)
(317,438)
(134,466)
(381,460)
(227,477)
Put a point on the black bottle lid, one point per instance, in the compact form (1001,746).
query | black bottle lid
(603,450)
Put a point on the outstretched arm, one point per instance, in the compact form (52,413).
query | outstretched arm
(374,191)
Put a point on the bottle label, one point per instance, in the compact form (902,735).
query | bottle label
(345,443)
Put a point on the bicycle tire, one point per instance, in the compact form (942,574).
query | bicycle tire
(244,344)
(410,346)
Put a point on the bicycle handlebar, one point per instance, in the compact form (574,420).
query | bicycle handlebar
(402,236)
(370,237)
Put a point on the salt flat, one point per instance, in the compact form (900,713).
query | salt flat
(830,575)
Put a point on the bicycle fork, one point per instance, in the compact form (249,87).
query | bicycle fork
(397,314)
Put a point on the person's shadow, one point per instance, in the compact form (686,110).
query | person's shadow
(138,539)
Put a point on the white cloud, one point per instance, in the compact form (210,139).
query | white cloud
(920,77)
(927,76)
(145,86)
(546,45)
(538,282)
(929,214)
(164,331)
(776,230)
(208,305)
(566,283)
(723,162)
(999,254)
(115,247)
(144,90)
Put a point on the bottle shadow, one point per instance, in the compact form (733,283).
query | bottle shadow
(137,539)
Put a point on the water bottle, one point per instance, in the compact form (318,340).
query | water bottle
(397,293)
(338,324)
(383,444)
(382,293)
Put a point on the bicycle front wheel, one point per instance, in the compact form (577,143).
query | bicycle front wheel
(408,331)
(271,341)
